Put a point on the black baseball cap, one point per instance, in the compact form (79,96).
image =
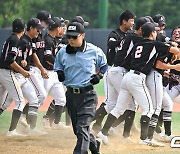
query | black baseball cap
(152,21)
(148,28)
(18,25)
(140,21)
(35,23)
(56,23)
(44,16)
(74,29)
(160,19)
(63,20)
(80,20)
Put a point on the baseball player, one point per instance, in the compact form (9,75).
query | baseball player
(133,84)
(52,84)
(173,88)
(115,38)
(60,41)
(28,54)
(116,73)
(8,81)
(76,66)
(36,77)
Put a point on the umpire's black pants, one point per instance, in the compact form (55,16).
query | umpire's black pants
(81,104)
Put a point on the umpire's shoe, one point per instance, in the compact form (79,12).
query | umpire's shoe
(13,133)
(98,148)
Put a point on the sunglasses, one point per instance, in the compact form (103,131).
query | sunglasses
(72,37)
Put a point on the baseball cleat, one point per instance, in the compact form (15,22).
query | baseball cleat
(159,136)
(23,121)
(59,126)
(151,142)
(103,137)
(13,133)
(36,132)
(168,138)
(46,123)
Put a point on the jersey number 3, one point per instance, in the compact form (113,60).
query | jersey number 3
(138,51)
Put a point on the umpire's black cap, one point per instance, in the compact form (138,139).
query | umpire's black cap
(148,28)
(74,29)
(44,16)
(80,20)
(18,25)
(35,23)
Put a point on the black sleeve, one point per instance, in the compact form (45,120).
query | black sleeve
(113,40)
(12,53)
(48,52)
(162,48)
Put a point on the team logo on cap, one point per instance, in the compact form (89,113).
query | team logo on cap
(73,28)
(161,19)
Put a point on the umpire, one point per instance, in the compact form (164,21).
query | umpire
(76,66)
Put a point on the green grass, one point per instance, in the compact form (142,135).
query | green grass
(6,117)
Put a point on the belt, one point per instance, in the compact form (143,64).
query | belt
(138,73)
(80,90)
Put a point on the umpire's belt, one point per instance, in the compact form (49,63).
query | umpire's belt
(80,90)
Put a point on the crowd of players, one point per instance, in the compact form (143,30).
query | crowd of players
(26,71)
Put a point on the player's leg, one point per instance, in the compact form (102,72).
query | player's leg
(38,83)
(58,93)
(11,84)
(3,96)
(31,96)
(155,86)
(167,116)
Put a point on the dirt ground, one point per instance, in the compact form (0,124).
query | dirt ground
(63,142)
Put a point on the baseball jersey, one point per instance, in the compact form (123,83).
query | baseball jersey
(114,40)
(123,55)
(9,52)
(50,52)
(27,47)
(39,42)
(144,55)
(60,42)
(80,66)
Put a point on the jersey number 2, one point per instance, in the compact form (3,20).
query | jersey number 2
(138,51)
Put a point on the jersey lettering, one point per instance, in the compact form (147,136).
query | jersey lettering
(139,49)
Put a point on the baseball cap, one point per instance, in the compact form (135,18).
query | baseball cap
(152,21)
(63,20)
(56,23)
(80,20)
(74,29)
(18,25)
(140,21)
(44,16)
(147,28)
(35,23)
(160,19)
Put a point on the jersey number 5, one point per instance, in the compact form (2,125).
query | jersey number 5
(138,51)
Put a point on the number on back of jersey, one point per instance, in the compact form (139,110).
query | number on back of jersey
(139,49)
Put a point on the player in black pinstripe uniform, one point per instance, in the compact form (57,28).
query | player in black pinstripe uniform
(126,20)
(8,81)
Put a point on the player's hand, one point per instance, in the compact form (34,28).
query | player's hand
(26,74)
(44,74)
(23,63)
(177,67)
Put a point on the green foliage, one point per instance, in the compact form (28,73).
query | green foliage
(26,9)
